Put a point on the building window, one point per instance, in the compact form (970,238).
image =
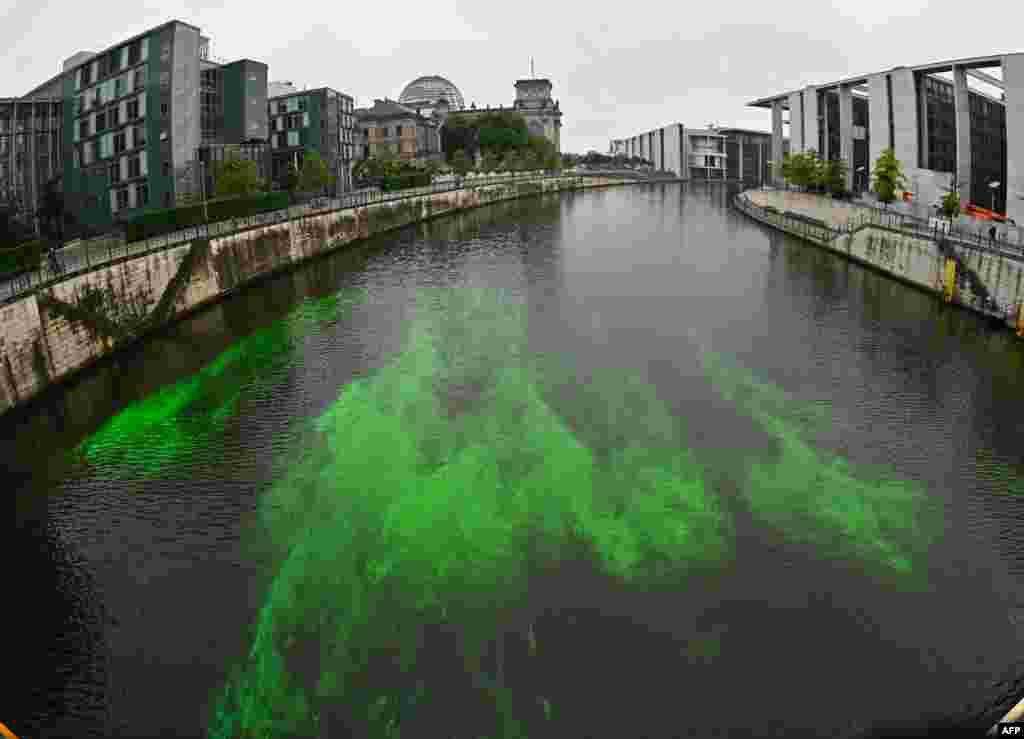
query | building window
(115,172)
(293,138)
(164,109)
(122,198)
(140,78)
(101,121)
(83,128)
(282,107)
(112,117)
(139,137)
(133,109)
(142,194)
(305,120)
(134,167)
(119,142)
(167,169)
(302,104)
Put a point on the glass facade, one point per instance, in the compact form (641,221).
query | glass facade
(988,152)
(938,125)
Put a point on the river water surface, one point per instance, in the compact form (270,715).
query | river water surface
(617,463)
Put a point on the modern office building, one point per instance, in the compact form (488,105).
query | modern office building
(700,153)
(322,121)
(951,123)
(137,115)
(30,150)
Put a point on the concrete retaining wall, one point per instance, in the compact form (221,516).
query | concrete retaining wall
(914,260)
(48,336)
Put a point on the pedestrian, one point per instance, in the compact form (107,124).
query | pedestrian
(992,233)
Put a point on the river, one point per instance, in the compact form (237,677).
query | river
(614,463)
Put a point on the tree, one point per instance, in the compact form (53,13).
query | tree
(888,176)
(951,203)
(236,177)
(460,162)
(314,175)
(833,176)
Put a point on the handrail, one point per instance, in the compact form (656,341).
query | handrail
(49,272)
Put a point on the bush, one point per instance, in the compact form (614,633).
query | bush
(392,183)
(23,257)
(158,222)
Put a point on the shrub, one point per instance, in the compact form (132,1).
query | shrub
(157,222)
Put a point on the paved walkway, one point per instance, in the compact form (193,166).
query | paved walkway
(827,210)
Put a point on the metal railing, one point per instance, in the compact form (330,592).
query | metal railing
(65,265)
(790,222)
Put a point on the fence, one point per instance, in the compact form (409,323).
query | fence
(57,268)
(792,222)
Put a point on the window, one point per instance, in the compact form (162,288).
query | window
(120,87)
(302,104)
(139,138)
(293,138)
(122,198)
(101,121)
(106,145)
(282,107)
(134,52)
(142,194)
(119,142)
(164,109)
(167,169)
(115,172)
(144,49)
(134,167)
(83,128)
(305,120)
(112,117)
(133,109)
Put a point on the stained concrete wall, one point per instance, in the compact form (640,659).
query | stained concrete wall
(914,260)
(49,335)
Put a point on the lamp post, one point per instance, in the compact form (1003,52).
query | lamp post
(993,186)
(860,170)
(769,163)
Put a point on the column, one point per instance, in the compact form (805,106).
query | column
(962,113)
(905,120)
(878,119)
(810,109)
(776,141)
(796,121)
(846,132)
(1013,80)
(741,137)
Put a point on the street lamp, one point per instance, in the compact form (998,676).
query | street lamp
(859,170)
(993,186)
(769,163)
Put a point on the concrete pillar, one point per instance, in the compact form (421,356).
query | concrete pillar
(846,131)
(962,113)
(878,119)
(796,120)
(905,119)
(1013,80)
(823,114)
(776,141)
(810,132)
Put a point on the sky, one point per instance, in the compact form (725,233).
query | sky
(616,69)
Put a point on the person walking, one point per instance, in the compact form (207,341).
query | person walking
(992,234)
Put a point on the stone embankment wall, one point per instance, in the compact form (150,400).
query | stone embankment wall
(49,335)
(915,260)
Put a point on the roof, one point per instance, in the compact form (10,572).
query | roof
(313,91)
(973,62)
(387,109)
(429,88)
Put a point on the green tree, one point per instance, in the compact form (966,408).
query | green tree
(314,176)
(888,176)
(460,162)
(236,177)
(951,203)
(833,176)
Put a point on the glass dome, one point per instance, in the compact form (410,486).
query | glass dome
(424,92)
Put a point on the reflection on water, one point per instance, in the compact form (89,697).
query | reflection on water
(604,464)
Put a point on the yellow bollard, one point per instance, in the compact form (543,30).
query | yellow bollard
(949,286)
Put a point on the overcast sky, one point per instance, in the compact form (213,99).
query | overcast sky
(617,68)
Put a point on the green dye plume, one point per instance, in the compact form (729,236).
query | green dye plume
(181,424)
(425,497)
(845,511)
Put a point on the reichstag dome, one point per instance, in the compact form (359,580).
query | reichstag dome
(424,92)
